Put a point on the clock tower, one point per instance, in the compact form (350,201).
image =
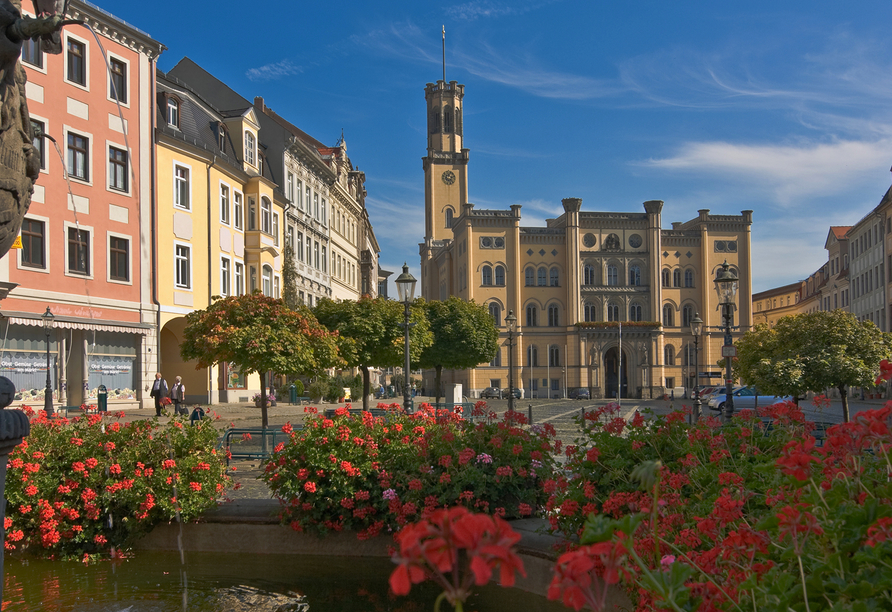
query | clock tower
(446,162)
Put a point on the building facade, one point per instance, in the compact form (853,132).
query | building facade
(603,300)
(84,239)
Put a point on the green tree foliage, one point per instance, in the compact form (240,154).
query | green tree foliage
(289,278)
(465,336)
(258,334)
(371,334)
(813,352)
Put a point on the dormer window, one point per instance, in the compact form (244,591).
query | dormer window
(221,137)
(249,148)
(173,112)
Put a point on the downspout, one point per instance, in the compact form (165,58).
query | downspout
(153,197)
(210,268)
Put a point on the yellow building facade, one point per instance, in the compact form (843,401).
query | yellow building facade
(603,300)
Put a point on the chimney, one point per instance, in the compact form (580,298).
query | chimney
(258,102)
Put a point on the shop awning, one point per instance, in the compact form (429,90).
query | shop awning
(85,324)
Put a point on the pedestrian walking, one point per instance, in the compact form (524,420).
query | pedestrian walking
(178,395)
(159,392)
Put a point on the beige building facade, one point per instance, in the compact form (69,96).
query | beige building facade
(603,300)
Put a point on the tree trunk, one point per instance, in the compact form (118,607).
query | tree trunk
(845,403)
(264,415)
(366,383)
(439,370)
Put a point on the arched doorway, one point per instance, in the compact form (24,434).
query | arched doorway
(612,374)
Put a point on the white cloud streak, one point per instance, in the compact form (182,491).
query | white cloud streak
(274,71)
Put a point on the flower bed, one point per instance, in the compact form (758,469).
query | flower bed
(88,485)
(370,473)
(737,517)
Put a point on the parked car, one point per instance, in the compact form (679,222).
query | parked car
(491,393)
(744,397)
(517,393)
(581,394)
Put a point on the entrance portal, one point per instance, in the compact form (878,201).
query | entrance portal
(612,376)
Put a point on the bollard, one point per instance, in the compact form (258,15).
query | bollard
(102,399)
(530,414)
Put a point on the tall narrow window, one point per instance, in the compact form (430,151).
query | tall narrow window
(554,356)
(500,276)
(237,212)
(687,315)
(315,205)
(676,278)
(183,267)
(307,199)
(299,194)
(665,276)
(324,260)
(613,312)
(249,147)
(78,251)
(77,62)
(31,53)
(588,275)
(669,355)
(266,224)
(532,315)
(553,277)
(289,186)
(33,244)
(309,251)
(224,204)
(448,217)
(529,275)
(589,312)
(117,169)
(275,229)
(78,156)
(634,276)
(635,312)
(495,311)
(612,275)
(173,112)
(553,316)
(225,273)
(267,274)
(688,278)
(252,214)
(181,190)
(299,247)
(667,315)
(118,85)
(38,129)
(532,357)
(315,254)
(487,276)
(239,278)
(118,259)
(541,277)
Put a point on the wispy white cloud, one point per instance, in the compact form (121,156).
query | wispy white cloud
(788,173)
(273,71)
(470,11)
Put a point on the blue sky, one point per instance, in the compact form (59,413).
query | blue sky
(779,107)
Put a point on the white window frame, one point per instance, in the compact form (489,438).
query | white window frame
(46,246)
(324,260)
(252,213)
(129,73)
(276,228)
(129,239)
(238,209)
(300,194)
(266,211)
(225,203)
(307,192)
(277,284)
(43,59)
(289,185)
(299,247)
(316,205)
(176,265)
(176,204)
(168,114)
(46,127)
(239,278)
(91,154)
(266,280)
(66,35)
(129,178)
(225,276)
(324,216)
(250,147)
(90,254)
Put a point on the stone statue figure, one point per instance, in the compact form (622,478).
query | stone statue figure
(19,162)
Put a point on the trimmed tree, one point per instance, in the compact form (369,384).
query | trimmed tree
(258,334)
(371,334)
(813,352)
(465,335)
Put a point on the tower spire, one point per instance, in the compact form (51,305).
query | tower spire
(444,53)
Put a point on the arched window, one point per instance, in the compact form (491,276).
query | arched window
(613,312)
(266,215)
(532,356)
(553,315)
(612,277)
(529,276)
(688,278)
(589,312)
(588,275)
(634,276)
(676,278)
(687,315)
(553,277)
(635,312)
(249,147)
(542,277)
(449,217)
(665,275)
(669,355)
(447,119)
(500,276)
(458,121)
(267,281)
(667,315)
(554,356)
(495,311)
(487,275)
(532,315)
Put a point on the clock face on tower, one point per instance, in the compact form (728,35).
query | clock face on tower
(448,177)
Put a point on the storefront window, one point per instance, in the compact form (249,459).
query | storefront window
(237,380)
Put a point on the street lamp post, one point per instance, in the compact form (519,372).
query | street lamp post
(696,330)
(405,287)
(510,322)
(49,322)
(726,283)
